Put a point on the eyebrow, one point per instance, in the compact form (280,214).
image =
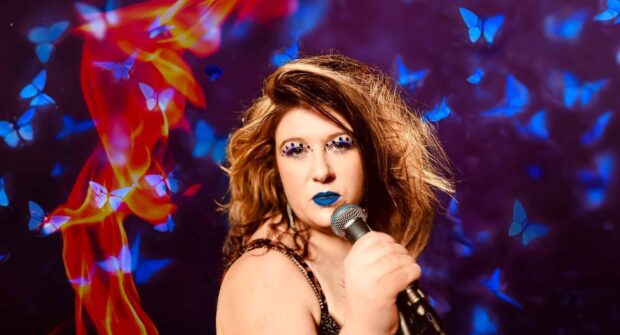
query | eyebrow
(330,136)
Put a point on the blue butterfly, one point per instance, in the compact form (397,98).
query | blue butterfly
(20,132)
(410,80)
(98,20)
(102,196)
(438,113)
(39,220)
(494,285)
(70,127)
(35,89)
(481,323)
(307,17)
(610,13)
(166,227)
(128,261)
(208,143)
(522,225)
(536,127)
(161,99)
(282,57)
(44,39)
(568,28)
(595,183)
(517,97)
(119,70)
(598,129)
(477,27)
(163,185)
(573,90)
(4,199)
(157,28)
(476,77)
(214,72)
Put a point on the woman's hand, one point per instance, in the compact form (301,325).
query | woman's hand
(376,270)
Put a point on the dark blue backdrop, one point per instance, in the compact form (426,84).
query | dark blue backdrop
(550,75)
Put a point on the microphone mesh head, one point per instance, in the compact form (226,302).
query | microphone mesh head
(344,214)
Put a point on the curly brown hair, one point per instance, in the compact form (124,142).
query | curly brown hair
(404,164)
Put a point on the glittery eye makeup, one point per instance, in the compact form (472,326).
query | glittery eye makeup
(295,150)
(342,143)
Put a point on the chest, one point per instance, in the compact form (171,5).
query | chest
(332,284)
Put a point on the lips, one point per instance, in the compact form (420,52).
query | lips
(325,198)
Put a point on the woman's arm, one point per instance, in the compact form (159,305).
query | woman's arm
(265,293)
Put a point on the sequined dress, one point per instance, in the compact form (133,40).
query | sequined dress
(327,326)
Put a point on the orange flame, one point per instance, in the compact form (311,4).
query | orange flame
(149,38)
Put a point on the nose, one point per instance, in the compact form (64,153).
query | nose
(321,169)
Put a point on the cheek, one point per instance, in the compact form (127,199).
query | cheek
(289,174)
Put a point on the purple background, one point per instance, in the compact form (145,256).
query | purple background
(568,280)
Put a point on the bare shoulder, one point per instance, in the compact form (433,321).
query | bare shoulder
(264,292)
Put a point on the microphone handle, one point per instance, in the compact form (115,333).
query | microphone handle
(415,313)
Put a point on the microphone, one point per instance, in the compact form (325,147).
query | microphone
(416,314)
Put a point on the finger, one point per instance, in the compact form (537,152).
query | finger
(378,251)
(398,280)
(369,239)
(388,265)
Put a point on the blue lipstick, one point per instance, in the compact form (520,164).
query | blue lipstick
(325,198)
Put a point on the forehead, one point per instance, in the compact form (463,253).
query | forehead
(301,122)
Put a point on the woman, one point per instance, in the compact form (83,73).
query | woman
(327,131)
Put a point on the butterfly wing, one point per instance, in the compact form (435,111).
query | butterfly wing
(476,77)
(482,323)
(517,94)
(100,193)
(537,126)
(519,219)
(218,154)
(205,138)
(214,72)
(491,26)
(438,113)
(503,296)
(37,216)
(4,199)
(8,132)
(571,89)
(148,268)
(24,126)
(117,196)
(533,231)
(290,53)
(35,87)
(164,97)
(53,224)
(598,129)
(67,127)
(473,24)
(167,226)
(157,181)
(149,95)
(588,90)
(493,283)
(172,182)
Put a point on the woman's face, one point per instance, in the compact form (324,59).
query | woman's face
(320,165)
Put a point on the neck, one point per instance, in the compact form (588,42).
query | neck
(326,246)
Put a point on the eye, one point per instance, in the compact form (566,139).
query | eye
(342,143)
(295,151)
